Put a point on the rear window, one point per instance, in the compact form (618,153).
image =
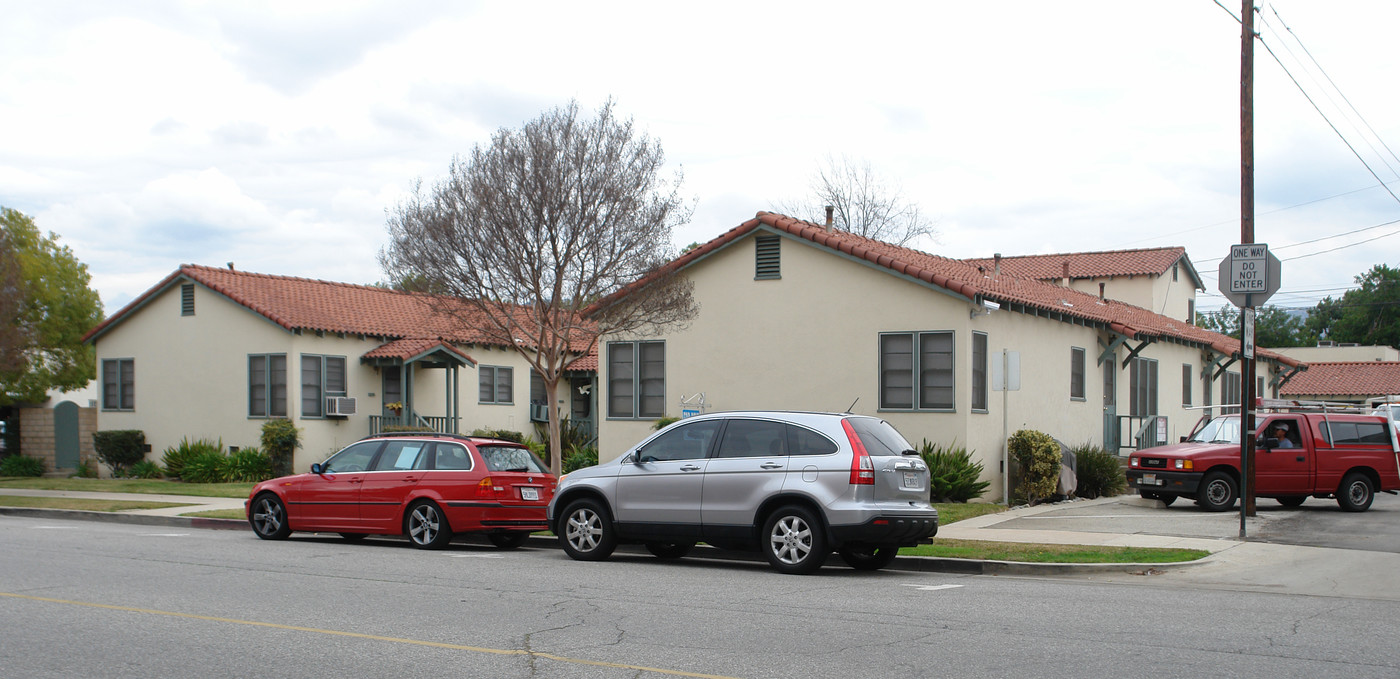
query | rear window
(1355,433)
(510,459)
(879,437)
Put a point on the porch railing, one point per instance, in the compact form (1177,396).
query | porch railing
(443,425)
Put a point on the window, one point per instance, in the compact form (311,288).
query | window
(451,456)
(1186,384)
(930,367)
(321,376)
(686,442)
(1076,373)
(1259,387)
(979,371)
(356,458)
(1230,391)
(766,258)
(1191,311)
(753,438)
(1142,384)
(495,384)
(119,384)
(537,396)
(1110,379)
(267,385)
(187,299)
(1175,269)
(402,456)
(1355,433)
(804,441)
(637,379)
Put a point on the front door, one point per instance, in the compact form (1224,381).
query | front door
(659,495)
(1110,403)
(65,435)
(1284,469)
(331,500)
(749,465)
(385,489)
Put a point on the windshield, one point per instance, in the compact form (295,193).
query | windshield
(1219,430)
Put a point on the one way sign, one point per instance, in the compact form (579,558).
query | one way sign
(1250,275)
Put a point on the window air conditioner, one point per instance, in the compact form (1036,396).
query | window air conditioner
(340,406)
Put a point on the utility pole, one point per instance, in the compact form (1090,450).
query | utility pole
(1246,236)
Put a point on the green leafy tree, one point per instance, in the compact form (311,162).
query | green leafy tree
(1273,326)
(1368,315)
(56,308)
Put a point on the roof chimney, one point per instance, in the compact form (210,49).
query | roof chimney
(1101,291)
(996,261)
(1067,273)
(230,266)
(829,210)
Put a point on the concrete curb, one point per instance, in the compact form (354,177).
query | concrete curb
(921,564)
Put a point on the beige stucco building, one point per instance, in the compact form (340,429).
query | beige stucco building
(795,316)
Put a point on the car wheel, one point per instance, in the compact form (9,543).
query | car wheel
(508,540)
(587,533)
(353,537)
(794,541)
(1356,492)
(669,550)
(1217,492)
(868,557)
(426,526)
(1293,500)
(1166,499)
(269,517)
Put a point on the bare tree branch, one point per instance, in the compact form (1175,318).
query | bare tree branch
(864,204)
(525,233)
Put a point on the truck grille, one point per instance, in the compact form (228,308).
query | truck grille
(1153,462)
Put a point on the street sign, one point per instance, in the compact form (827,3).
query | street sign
(1247,346)
(1250,275)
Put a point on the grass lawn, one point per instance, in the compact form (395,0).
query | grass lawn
(145,486)
(220,514)
(1042,553)
(77,503)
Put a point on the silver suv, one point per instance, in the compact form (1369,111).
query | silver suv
(795,486)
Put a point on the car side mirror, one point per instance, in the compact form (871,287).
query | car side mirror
(316,468)
(1183,440)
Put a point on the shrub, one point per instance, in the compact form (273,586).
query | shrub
(502,434)
(120,448)
(280,439)
(22,465)
(1098,471)
(579,458)
(248,465)
(145,469)
(1039,459)
(206,467)
(539,449)
(175,458)
(664,422)
(953,475)
(86,470)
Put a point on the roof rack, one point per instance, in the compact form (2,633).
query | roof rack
(1324,407)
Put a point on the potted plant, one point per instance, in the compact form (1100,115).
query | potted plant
(396,407)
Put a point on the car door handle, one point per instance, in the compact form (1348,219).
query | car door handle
(770,465)
(410,479)
(1302,459)
(690,468)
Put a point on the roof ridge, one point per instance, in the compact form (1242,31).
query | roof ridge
(1169,248)
(300,279)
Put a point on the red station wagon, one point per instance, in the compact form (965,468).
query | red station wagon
(426,486)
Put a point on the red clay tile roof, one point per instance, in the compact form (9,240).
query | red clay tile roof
(413,347)
(968,281)
(315,305)
(1141,262)
(586,363)
(1347,378)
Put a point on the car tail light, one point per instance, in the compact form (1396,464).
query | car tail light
(488,488)
(862,467)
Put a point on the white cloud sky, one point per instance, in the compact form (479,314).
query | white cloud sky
(275,135)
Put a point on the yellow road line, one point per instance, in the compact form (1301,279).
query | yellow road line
(374,637)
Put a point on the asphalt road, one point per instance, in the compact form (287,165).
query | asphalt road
(1317,523)
(118,600)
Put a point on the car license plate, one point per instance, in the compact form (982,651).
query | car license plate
(1149,479)
(529,493)
(912,480)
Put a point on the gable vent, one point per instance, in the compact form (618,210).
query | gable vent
(766,262)
(187,299)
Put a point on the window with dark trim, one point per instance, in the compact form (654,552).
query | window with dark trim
(187,299)
(916,363)
(321,376)
(979,371)
(119,384)
(767,253)
(1076,373)
(1142,385)
(267,385)
(1186,384)
(637,379)
(496,384)
(1231,390)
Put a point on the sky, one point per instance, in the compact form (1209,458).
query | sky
(276,135)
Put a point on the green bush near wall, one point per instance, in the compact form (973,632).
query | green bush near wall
(1039,458)
(280,439)
(120,448)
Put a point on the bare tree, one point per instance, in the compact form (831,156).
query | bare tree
(864,203)
(524,234)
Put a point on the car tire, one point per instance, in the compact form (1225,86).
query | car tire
(1292,500)
(426,527)
(1356,492)
(586,533)
(1166,499)
(508,540)
(269,517)
(794,541)
(868,557)
(669,550)
(1218,492)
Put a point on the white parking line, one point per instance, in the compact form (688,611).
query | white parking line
(931,588)
(1096,516)
(476,556)
(164,535)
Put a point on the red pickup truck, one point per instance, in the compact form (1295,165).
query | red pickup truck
(1297,454)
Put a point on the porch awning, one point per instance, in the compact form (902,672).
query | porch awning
(417,350)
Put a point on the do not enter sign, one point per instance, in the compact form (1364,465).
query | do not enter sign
(1250,275)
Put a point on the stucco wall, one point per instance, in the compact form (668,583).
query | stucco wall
(36,435)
